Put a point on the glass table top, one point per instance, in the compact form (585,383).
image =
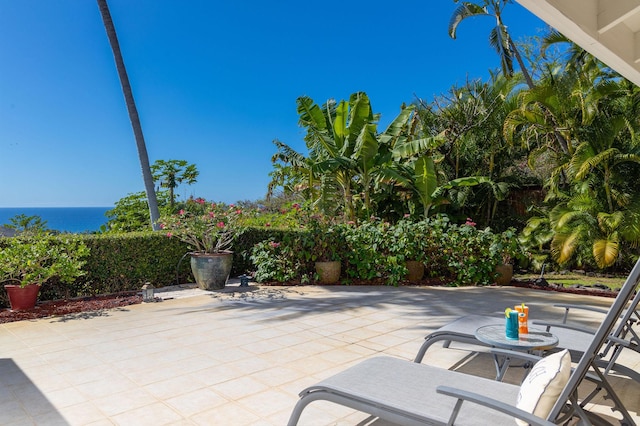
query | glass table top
(537,339)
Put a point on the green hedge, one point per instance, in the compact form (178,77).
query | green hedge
(124,262)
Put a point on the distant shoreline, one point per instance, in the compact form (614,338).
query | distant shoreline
(63,219)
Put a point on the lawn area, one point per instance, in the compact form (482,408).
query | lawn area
(570,279)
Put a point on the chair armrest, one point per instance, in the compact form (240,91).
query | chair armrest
(511,410)
(576,327)
(568,306)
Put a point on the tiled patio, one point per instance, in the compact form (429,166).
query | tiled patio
(236,358)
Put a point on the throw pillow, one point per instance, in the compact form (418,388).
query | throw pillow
(543,385)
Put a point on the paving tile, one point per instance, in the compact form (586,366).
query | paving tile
(174,387)
(117,403)
(111,383)
(276,376)
(238,388)
(196,401)
(12,411)
(266,403)
(156,414)
(221,415)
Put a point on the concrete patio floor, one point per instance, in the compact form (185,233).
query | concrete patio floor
(239,356)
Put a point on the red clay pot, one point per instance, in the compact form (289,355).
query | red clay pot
(22,298)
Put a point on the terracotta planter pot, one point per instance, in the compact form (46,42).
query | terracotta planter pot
(211,270)
(22,298)
(328,272)
(505,273)
(416,270)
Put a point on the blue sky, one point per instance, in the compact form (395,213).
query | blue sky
(214,82)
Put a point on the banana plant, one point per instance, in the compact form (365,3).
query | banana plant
(420,173)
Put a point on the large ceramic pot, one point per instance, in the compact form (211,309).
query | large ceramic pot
(22,298)
(328,272)
(415,270)
(211,270)
(505,273)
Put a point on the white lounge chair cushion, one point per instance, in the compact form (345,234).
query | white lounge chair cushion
(542,386)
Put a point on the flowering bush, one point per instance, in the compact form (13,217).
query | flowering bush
(279,261)
(206,227)
(41,257)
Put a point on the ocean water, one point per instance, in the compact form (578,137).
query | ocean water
(64,219)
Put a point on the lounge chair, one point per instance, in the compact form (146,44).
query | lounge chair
(410,393)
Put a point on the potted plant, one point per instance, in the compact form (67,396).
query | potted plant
(210,230)
(322,243)
(406,240)
(505,249)
(27,262)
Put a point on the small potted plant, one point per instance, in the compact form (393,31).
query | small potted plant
(505,249)
(323,243)
(210,230)
(29,261)
(406,240)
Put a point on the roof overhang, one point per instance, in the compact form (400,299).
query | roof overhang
(608,29)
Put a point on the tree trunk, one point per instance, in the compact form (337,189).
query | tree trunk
(525,73)
(133,114)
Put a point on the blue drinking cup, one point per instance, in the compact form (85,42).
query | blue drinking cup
(512,325)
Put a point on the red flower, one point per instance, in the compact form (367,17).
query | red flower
(267,224)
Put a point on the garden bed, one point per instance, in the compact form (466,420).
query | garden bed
(54,308)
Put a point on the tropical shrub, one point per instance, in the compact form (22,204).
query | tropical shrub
(280,261)
(40,257)
(205,227)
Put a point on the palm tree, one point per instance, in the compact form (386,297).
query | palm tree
(172,173)
(133,114)
(499,37)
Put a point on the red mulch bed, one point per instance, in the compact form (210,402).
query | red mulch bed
(71,306)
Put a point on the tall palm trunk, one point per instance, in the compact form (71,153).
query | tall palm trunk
(525,72)
(133,114)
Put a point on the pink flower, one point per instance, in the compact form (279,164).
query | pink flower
(296,206)
(274,244)
(232,205)
(238,211)
(470,222)
(200,201)
(181,212)
(220,224)
(351,222)
(169,234)
(162,226)
(406,215)
(211,214)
